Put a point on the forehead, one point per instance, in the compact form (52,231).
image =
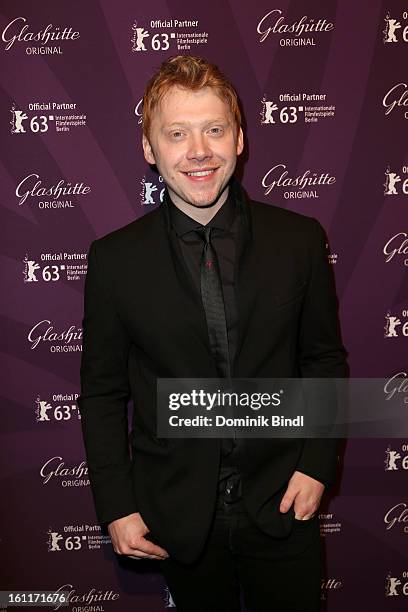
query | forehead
(179,104)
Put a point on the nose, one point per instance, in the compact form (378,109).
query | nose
(199,148)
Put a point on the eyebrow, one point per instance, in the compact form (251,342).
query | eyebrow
(222,120)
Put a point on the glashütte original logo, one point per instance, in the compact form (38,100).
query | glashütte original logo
(19,31)
(55,469)
(138,111)
(395,385)
(91,601)
(396,248)
(305,185)
(329,585)
(303,30)
(43,331)
(396,100)
(60,195)
(396,516)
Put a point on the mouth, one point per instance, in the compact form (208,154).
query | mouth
(201,174)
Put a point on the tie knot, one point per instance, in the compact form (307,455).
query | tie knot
(204,232)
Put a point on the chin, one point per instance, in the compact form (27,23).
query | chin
(207,197)
(203,201)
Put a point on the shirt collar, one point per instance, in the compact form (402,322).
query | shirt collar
(223,219)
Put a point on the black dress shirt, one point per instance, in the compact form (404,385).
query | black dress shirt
(224,234)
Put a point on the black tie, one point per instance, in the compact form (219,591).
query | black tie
(213,302)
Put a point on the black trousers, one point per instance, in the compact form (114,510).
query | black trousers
(274,575)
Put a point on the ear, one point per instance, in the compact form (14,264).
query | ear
(240,142)
(148,151)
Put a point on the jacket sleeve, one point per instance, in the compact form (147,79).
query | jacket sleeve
(103,398)
(321,352)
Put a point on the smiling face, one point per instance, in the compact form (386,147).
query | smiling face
(194,143)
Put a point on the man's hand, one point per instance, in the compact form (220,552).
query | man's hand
(127,534)
(305,492)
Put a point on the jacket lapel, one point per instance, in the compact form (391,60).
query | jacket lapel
(245,268)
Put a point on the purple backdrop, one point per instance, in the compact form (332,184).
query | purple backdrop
(324,86)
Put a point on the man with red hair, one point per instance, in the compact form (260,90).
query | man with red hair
(210,284)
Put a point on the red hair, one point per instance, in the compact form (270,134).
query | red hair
(187,72)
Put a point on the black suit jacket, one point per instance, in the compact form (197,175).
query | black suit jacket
(144,319)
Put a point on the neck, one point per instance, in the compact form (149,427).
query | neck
(201,214)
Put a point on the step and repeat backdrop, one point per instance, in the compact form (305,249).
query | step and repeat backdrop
(324,87)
